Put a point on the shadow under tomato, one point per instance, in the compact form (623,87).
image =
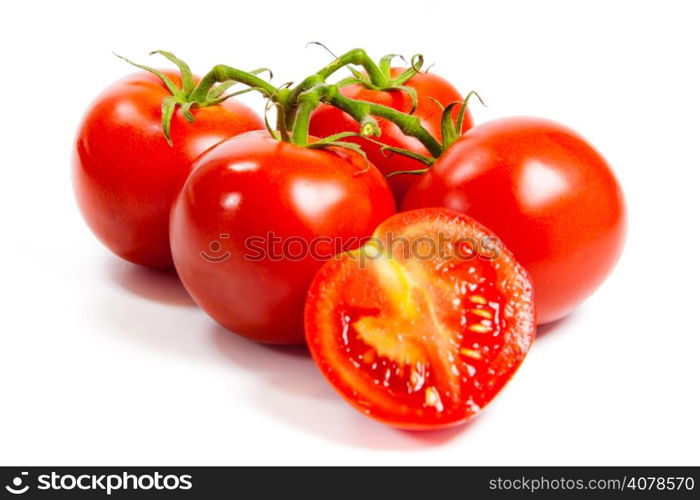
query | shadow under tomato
(554,326)
(150,308)
(154,284)
(292,388)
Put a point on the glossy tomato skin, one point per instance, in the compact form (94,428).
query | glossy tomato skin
(546,192)
(245,200)
(125,174)
(423,339)
(327,120)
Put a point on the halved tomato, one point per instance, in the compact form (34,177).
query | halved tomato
(424,325)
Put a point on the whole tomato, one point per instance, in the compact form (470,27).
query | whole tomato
(258,217)
(547,193)
(429,88)
(125,174)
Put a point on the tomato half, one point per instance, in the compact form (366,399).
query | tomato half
(547,193)
(125,174)
(327,120)
(425,335)
(258,217)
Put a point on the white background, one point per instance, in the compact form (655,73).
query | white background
(105,363)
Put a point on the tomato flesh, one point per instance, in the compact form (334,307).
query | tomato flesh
(416,339)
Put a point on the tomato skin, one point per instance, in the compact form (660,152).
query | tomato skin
(396,335)
(253,186)
(125,174)
(546,192)
(327,120)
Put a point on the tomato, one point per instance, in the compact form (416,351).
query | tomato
(425,335)
(327,120)
(257,218)
(125,174)
(546,192)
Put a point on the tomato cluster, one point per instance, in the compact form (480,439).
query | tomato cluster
(291,234)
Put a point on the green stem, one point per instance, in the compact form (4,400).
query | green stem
(361,110)
(306,103)
(296,105)
(222,73)
(284,113)
(357,57)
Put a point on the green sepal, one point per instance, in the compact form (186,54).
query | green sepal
(415,68)
(351,80)
(268,126)
(425,160)
(465,106)
(167,81)
(412,94)
(327,143)
(339,137)
(358,74)
(419,171)
(385,64)
(167,109)
(186,111)
(185,71)
(452,129)
(449,132)
(219,90)
(213,102)
(188,96)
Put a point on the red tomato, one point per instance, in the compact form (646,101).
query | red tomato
(257,218)
(546,192)
(125,174)
(426,335)
(327,120)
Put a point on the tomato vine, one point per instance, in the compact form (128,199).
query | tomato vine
(295,104)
